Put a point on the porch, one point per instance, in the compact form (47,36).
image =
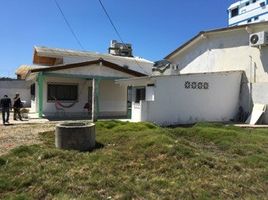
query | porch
(72,96)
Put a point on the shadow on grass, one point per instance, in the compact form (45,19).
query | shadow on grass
(98,145)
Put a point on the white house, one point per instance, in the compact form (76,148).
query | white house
(232,63)
(67,83)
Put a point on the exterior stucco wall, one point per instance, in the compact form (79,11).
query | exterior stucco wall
(175,104)
(94,70)
(224,52)
(227,51)
(113,99)
(11,87)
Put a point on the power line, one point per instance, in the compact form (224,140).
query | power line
(116,31)
(108,16)
(69,26)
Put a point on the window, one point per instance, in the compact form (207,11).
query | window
(140,95)
(256,18)
(62,92)
(254,1)
(234,12)
(249,20)
(247,3)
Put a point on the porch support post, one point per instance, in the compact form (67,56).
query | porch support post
(40,80)
(95,99)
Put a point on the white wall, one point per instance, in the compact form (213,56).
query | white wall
(94,70)
(174,104)
(11,87)
(224,52)
(113,99)
(227,51)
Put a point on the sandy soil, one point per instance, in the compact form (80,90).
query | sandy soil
(17,134)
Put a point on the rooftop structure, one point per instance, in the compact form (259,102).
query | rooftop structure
(247,11)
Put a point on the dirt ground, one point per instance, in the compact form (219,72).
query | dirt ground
(21,133)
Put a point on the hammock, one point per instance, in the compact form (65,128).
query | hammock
(57,103)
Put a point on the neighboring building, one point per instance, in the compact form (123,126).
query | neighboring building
(11,87)
(65,82)
(247,11)
(204,81)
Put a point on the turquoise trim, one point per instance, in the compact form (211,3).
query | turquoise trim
(40,81)
(82,76)
(248,19)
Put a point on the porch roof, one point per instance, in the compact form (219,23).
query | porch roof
(88,63)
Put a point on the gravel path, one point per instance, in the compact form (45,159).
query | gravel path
(21,134)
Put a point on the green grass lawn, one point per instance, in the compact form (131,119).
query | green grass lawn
(143,161)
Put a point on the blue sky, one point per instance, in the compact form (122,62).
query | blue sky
(153,27)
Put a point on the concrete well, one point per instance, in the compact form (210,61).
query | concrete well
(75,136)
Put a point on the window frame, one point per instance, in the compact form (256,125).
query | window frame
(63,84)
(233,10)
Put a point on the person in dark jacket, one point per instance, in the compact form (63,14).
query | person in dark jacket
(5,104)
(17,106)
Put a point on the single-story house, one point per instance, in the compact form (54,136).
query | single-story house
(229,65)
(68,83)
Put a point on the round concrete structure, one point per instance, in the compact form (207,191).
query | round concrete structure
(75,136)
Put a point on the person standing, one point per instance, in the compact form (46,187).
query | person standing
(17,106)
(5,104)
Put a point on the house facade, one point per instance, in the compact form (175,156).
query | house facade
(69,84)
